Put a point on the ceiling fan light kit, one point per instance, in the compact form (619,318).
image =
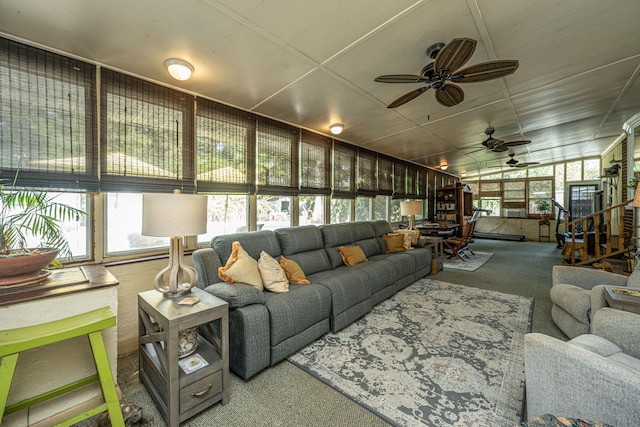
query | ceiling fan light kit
(440,75)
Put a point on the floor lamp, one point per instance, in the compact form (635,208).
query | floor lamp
(411,208)
(174,215)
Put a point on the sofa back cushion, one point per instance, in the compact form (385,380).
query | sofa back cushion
(335,235)
(371,247)
(305,246)
(381,227)
(361,230)
(253,242)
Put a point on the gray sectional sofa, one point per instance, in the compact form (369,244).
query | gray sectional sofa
(266,327)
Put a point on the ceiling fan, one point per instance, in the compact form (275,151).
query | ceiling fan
(445,69)
(498,145)
(516,164)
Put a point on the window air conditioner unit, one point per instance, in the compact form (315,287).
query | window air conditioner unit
(513,213)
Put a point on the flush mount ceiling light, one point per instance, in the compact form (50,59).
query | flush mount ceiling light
(444,167)
(179,69)
(336,128)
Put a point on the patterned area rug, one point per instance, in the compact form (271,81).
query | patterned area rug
(472,263)
(434,354)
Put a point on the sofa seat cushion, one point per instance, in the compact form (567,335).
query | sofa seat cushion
(403,263)
(381,273)
(605,348)
(422,257)
(348,287)
(595,344)
(572,299)
(293,312)
(237,294)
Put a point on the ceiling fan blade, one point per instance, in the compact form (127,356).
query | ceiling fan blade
(524,165)
(486,71)
(454,55)
(517,143)
(449,95)
(408,97)
(401,78)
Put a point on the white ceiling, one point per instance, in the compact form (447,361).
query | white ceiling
(312,63)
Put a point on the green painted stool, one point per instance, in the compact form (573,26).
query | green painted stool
(14,341)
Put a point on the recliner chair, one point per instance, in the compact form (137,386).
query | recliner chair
(577,294)
(591,377)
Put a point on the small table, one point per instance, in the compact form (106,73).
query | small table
(179,395)
(623,298)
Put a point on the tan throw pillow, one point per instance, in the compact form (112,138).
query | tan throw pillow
(240,267)
(410,237)
(293,271)
(394,242)
(352,255)
(273,276)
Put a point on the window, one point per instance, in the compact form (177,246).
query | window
(367,180)
(47,118)
(364,206)
(394,215)
(340,210)
(574,171)
(385,175)
(344,170)
(225,149)
(147,136)
(399,180)
(539,189)
(591,169)
(277,161)
(380,207)
(311,209)
(274,211)
(75,231)
(513,194)
(226,214)
(124,225)
(315,163)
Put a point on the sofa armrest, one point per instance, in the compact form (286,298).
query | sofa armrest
(597,299)
(620,327)
(206,261)
(585,278)
(573,382)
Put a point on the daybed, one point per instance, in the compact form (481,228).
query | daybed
(266,327)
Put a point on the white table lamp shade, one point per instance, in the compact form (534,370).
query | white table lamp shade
(174,215)
(412,207)
(168,215)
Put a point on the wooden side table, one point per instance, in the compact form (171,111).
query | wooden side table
(622,298)
(544,231)
(179,395)
(437,248)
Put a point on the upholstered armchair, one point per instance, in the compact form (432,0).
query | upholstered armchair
(577,293)
(591,377)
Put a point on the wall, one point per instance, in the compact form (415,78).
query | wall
(520,226)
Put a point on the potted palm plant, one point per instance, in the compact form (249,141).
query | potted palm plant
(544,208)
(26,214)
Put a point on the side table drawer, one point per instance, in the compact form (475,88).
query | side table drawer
(201,391)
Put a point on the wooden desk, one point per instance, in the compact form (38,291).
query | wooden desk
(621,300)
(433,229)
